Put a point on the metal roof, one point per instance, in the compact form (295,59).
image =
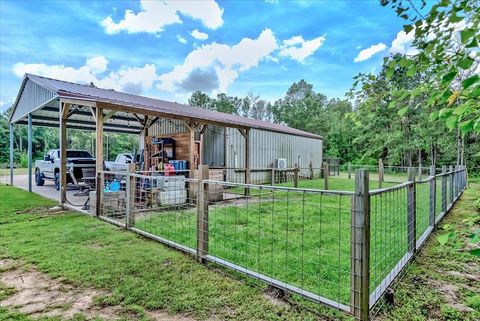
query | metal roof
(121,121)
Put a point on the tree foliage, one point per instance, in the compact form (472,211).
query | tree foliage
(446,48)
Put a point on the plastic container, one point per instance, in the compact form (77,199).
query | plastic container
(174,197)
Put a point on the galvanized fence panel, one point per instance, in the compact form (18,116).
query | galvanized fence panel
(340,248)
(402,218)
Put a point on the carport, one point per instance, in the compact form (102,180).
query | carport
(50,102)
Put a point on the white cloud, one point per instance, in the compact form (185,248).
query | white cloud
(155,15)
(129,79)
(199,35)
(402,43)
(220,62)
(181,39)
(298,49)
(97,65)
(369,52)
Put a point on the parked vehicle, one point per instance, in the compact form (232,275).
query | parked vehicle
(120,164)
(80,168)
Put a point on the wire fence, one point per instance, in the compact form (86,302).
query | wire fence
(342,248)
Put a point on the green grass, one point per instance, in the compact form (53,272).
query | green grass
(420,294)
(87,252)
(16,171)
(296,237)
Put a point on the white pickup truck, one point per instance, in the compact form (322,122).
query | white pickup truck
(80,167)
(120,164)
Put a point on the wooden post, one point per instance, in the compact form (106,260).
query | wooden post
(360,247)
(326,172)
(146,152)
(202,213)
(64,109)
(349,170)
(11,154)
(433,194)
(99,159)
(411,212)
(130,196)
(273,175)
(99,138)
(444,189)
(380,173)
(450,184)
(310,166)
(246,135)
(30,152)
(295,176)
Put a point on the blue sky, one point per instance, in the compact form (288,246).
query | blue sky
(168,49)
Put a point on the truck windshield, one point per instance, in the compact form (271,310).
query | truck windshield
(78,154)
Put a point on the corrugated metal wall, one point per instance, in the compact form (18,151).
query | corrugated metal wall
(266,146)
(32,96)
(214,146)
(167,126)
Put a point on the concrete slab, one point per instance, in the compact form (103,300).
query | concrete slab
(48,190)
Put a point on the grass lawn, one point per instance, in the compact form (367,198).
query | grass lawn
(298,237)
(135,272)
(443,282)
(141,274)
(16,171)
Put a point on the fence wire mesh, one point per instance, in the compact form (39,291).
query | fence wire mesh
(297,239)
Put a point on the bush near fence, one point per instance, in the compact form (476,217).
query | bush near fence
(339,248)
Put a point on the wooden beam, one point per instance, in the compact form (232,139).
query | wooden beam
(153,121)
(139,119)
(157,113)
(63,151)
(109,115)
(72,111)
(81,102)
(99,138)
(203,129)
(94,113)
(146,154)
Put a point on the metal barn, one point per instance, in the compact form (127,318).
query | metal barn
(240,148)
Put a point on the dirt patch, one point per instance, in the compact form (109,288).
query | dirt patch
(450,295)
(37,295)
(276,296)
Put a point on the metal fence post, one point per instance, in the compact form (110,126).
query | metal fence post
(202,213)
(444,189)
(360,247)
(273,177)
(450,184)
(130,196)
(326,172)
(433,195)
(380,173)
(411,212)
(349,170)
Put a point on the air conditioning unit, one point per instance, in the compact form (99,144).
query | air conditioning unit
(280,163)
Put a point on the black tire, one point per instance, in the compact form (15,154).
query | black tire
(39,181)
(57,181)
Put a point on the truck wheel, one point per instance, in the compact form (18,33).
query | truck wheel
(57,181)
(39,181)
